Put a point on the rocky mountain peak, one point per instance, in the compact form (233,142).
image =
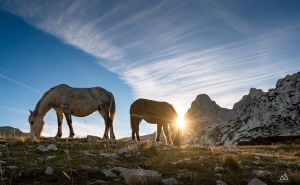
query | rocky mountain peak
(272,114)
(246,99)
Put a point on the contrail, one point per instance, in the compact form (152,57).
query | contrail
(19,83)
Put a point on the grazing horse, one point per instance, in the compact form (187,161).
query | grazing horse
(66,100)
(161,113)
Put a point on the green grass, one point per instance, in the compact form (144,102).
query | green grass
(72,166)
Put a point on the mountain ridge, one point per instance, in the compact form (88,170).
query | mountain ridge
(258,114)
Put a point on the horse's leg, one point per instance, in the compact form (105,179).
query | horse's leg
(132,122)
(60,117)
(167,134)
(135,123)
(105,117)
(159,127)
(137,128)
(110,125)
(68,116)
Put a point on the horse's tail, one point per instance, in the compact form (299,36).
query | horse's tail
(112,108)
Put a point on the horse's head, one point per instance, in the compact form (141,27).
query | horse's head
(36,123)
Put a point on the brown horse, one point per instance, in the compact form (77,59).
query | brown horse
(68,101)
(161,113)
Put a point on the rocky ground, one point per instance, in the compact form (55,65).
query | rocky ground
(94,161)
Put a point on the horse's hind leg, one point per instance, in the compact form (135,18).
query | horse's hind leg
(68,116)
(135,123)
(167,134)
(111,129)
(106,121)
(60,117)
(159,127)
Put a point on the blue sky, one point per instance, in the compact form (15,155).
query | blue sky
(162,50)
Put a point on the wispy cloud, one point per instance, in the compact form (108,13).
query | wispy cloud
(170,50)
(19,83)
(14,109)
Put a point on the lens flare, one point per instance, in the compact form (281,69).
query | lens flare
(180,122)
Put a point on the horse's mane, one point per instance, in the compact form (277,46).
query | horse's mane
(44,95)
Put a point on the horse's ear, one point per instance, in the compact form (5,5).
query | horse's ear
(30,111)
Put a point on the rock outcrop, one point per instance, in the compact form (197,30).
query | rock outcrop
(257,116)
(8,131)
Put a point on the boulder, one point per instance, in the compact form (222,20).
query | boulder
(42,148)
(52,147)
(49,171)
(256,181)
(108,174)
(262,173)
(219,182)
(169,181)
(92,139)
(138,176)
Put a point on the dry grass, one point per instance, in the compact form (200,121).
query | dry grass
(79,162)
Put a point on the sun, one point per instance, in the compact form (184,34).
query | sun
(180,121)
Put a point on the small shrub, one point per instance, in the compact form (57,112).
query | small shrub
(20,139)
(231,163)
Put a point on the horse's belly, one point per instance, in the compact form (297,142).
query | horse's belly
(82,112)
(149,120)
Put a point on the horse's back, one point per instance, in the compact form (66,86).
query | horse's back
(92,94)
(152,109)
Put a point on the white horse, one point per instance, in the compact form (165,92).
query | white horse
(66,100)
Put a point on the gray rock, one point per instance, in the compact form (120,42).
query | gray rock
(87,153)
(138,176)
(109,155)
(262,173)
(49,171)
(50,157)
(132,149)
(256,181)
(12,167)
(52,147)
(2,162)
(181,161)
(219,182)
(108,174)
(257,158)
(42,148)
(219,169)
(93,139)
(169,181)
(97,182)
(123,151)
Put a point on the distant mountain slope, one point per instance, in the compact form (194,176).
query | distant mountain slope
(8,131)
(258,115)
(150,137)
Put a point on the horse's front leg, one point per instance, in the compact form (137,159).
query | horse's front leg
(68,116)
(159,127)
(60,117)
(167,134)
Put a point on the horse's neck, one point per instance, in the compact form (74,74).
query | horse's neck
(43,107)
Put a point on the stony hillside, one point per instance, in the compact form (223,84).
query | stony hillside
(258,116)
(93,161)
(7,131)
